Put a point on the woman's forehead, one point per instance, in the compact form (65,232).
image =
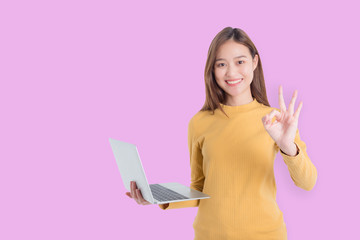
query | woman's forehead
(232,49)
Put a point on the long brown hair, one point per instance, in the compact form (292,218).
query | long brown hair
(214,94)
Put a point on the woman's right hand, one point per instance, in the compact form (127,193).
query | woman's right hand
(136,194)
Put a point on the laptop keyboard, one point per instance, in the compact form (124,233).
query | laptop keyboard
(161,193)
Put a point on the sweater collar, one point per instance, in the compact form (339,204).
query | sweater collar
(240,108)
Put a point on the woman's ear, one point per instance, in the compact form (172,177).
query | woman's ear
(255,61)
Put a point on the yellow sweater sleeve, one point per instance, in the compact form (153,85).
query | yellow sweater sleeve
(197,176)
(302,170)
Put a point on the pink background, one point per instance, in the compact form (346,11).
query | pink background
(75,73)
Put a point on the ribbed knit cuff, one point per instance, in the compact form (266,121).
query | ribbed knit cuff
(297,153)
(181,204)
(292,159)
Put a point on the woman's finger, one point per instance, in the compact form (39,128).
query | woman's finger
(128,194)
(272,114)
(136,198)
(266,121)
(292,103)
(142,199)
(281,100)
(132,189)
(138,194)
(297,113)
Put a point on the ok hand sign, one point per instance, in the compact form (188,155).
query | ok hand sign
(283,129)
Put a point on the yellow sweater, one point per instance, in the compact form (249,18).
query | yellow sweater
(232,160)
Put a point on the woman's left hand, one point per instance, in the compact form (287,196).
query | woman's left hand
(283,129)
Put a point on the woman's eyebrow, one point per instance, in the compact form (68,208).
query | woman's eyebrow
(234,58)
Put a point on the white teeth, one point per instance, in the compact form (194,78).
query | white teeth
(232,82)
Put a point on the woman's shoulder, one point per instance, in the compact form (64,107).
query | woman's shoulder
(199,123)
(198,117)
(201,120)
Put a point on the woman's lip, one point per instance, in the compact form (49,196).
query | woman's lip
(232,79)
(234,84)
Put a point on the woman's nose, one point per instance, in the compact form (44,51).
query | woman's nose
(232,71)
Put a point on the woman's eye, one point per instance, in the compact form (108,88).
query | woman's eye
(220,64)
(240,61)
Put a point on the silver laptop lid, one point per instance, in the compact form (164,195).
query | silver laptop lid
(130,167)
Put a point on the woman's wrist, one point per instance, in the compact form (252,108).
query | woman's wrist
(291,151)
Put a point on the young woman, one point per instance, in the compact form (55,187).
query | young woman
(233,141)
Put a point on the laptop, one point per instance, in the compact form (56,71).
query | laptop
(128,160)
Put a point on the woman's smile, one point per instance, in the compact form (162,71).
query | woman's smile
(234,82)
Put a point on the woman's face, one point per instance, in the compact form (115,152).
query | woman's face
(234,71)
